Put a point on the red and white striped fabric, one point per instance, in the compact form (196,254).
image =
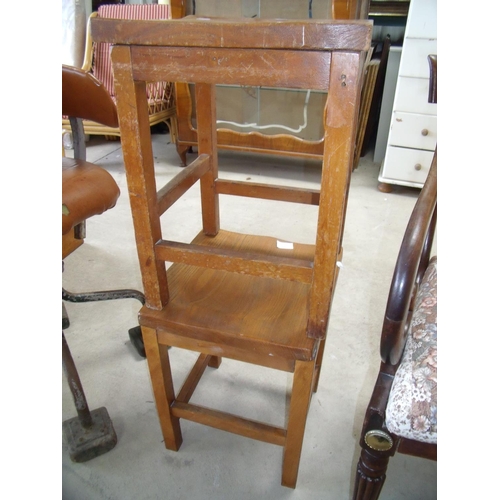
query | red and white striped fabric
(102,58)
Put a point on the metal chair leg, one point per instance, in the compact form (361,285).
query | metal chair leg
(91,433)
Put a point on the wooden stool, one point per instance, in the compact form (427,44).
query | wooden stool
(231,294)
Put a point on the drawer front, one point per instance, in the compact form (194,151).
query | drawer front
(407,165)
(414,58)
(412,96)
(411,130)
(422,19)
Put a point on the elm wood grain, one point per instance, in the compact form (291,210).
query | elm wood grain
(139,163)
(231,423)
(303,37)
(247,67)
(299,406)
(193,340)
(243,33)
(255,264)
(256,244)
(265,315)
(207,143)
(340,129)
(319,362)
(218,310)
(163,387)
(193,378)
(174,189)
(268,192)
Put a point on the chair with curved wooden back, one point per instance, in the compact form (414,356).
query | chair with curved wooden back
(249,297)
(402,413)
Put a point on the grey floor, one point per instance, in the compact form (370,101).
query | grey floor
(212,464)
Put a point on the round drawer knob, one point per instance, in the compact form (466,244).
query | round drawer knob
(418,166)
(425,132)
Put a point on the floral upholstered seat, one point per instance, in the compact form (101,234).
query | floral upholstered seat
(412,406)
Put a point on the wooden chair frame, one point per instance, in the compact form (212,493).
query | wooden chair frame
(323,55)
(411,265)
(412,262)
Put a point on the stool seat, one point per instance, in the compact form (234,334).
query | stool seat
(87,190)
(249,312)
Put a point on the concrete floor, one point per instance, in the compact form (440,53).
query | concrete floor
(212,464)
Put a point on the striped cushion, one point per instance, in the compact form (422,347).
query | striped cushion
(102,58)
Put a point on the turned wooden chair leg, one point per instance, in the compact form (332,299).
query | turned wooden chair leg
(163,388)
(370,475)
(299,405)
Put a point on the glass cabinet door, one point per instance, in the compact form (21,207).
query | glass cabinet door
(266,110)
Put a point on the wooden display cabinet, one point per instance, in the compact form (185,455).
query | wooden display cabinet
(256,119)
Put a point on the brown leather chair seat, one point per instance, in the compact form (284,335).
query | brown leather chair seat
(87,190)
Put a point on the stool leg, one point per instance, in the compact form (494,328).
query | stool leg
(299,406)
(163,388)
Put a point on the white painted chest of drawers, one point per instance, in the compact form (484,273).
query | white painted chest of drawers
(413,131)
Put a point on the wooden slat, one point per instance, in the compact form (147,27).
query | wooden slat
(207,144)
(174,189)
(230,423)
(268,192)
(237,33)
(274,68)
(231,260)
(193,378)
(132,105)
(245,354)
(340,130)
